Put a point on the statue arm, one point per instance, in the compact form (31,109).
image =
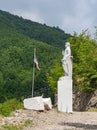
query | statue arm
(67,54)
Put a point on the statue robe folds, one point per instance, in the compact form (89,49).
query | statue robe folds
(67,60)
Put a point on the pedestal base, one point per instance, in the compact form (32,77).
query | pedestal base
(65,94)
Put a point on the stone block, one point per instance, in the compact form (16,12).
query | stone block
(34,103)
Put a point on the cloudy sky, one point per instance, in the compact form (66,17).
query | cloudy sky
(70,15)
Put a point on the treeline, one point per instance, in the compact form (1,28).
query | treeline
(51,35)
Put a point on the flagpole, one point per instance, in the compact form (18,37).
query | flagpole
(33,75)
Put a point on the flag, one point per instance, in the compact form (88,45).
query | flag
(36,61)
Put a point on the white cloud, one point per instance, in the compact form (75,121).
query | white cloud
(29,15)
(69,15)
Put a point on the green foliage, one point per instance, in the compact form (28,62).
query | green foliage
(7,107)
(51,35)
(18,38)
(54,74)
(24,123)
(12,127)
(28,122)
(84,51)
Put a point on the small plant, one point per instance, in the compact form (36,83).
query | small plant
(92,110)
(27,122)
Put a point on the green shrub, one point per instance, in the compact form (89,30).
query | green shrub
(10,105)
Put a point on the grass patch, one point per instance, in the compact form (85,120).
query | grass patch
(28,122)
(10,105)
(92,110)
(12,127)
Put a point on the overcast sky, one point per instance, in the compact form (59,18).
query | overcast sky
(70,15)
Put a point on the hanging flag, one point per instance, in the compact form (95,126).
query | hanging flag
(35,60)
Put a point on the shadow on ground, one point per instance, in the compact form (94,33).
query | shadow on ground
(81,125)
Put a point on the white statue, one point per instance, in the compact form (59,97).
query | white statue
(67,60)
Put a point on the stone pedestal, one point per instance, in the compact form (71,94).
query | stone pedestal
(65,94)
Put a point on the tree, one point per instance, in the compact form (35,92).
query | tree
(54,74)
(84,50)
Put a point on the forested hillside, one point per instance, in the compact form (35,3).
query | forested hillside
(51,35)
(18,38)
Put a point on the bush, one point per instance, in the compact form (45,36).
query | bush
(10,105)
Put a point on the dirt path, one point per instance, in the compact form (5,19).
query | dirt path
(53,120)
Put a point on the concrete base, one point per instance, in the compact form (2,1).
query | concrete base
(65,94)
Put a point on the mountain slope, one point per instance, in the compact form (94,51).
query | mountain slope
(50,35)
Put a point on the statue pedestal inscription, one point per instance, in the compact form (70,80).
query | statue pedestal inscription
(65,94)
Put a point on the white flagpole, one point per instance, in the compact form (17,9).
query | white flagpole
(33,73)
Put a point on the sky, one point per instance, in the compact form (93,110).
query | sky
(69,15)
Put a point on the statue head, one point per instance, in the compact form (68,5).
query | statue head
(67,44)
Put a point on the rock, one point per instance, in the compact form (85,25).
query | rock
(84,101)
(47,103)
(35,103)
(38,103)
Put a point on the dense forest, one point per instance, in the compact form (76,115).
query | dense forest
(51,35)
(19,37)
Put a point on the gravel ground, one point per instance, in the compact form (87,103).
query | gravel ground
(54,120)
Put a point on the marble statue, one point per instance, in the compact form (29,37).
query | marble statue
(67,60)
